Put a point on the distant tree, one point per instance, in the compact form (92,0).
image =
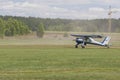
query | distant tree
(10,29)
(40,30)
(2,27)
(23,28)
(15,27)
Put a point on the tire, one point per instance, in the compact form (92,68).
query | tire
(83,46)
(76,46)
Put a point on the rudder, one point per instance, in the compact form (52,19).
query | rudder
(106,40)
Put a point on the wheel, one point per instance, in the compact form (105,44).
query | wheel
(108,46)
(76,46)
(82,46)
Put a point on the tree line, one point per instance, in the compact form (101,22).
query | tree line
(12,27)
(15,25)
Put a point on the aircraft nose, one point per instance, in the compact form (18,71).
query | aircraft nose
(78,40)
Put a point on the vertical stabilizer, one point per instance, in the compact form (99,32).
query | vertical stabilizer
(106,40)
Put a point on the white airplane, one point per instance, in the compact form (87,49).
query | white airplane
(83,40)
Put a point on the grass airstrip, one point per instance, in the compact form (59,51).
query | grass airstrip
(57,59)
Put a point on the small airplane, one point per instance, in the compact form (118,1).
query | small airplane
(83,40)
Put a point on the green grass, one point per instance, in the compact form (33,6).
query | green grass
(35,62)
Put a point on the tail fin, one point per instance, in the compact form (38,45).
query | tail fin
(106,40)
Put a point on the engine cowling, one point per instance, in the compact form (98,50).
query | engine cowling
(78,40)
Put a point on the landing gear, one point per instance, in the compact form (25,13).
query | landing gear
(107,46)
(82,46)
(76,46)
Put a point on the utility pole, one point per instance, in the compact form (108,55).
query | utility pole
(109,21)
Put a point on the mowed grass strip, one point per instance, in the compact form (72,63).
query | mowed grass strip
(35,62)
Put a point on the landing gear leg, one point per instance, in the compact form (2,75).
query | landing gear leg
(76,46)
(83,45)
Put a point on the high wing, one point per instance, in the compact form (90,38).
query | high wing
(87,36)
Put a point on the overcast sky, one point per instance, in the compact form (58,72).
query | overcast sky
(67,9)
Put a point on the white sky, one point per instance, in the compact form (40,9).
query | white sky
(68,9)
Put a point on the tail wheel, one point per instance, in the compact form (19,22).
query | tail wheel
(108,46)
